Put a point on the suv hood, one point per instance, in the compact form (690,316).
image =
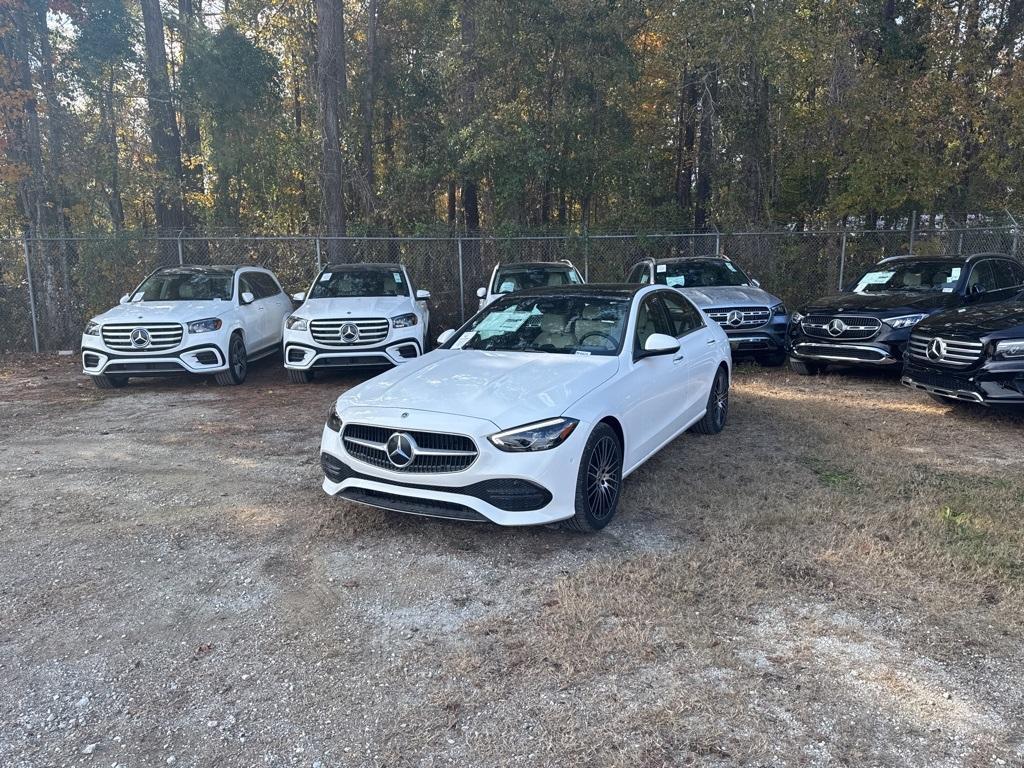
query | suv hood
(1002,320)
(369,306)
(164,311)
(722,296)
(885,304)
(505,388)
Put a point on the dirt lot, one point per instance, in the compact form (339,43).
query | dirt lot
(838,579)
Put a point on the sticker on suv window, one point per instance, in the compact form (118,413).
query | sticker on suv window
(662,268)
(675,281)
(325,277)
(503,322)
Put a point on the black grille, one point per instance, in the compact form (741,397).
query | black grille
(454,452)
(166,367)
(295,355)
(856,327)
(351,361)
(90,360)
(955,353)
(426,507)
(938,380)
(407,351)
(207,357)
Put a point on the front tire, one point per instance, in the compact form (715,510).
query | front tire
(300,377)
(238,363)
(717,412)
(598,482)
(103,381)
(806,368)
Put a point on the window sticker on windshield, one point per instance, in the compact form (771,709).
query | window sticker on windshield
(662,268)
(463,340)
(397,276)
(507,287)
(503,322)
(675,281)
(325,277)
(876,278)
(730,267)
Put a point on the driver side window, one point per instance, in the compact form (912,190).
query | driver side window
(685,317)
(640,274)
(981,279)
(650,319)
(246,284)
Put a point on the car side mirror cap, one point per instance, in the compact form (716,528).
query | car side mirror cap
(755,283)
(300,296)
(445,336)
(481,293)
(248,298)
(125,299)
(660,344)
(422,295)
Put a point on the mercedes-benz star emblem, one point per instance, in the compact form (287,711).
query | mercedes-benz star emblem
(734,318)
(349,333)
(936,349)
(139,338)
(401,449)
(836,327)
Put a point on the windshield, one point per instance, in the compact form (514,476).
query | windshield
(582,325)
(512,279)
(185,286)
(911,276)
(359,283)
(699,274)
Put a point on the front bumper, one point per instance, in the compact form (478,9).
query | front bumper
(200,359)
(885,349)
(993,384)
(765,340)
(301,353)
(510,489)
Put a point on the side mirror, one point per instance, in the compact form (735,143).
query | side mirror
(481,293)
(125,299)
(248,298)
(660,344)
(755,283)
(445,336)
(300,296)
(422,295)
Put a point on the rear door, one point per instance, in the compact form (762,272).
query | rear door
(697,350)
(255,317)
(278,304)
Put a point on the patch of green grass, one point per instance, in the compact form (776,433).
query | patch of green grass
(833,476)
(972,536)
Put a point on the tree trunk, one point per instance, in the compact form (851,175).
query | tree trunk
(189,13)
(705,150)
(163,127)
(468,38)
(685,141)
(331,89)
(369,180)
(108,117)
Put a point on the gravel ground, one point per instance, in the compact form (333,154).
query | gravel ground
(835,580)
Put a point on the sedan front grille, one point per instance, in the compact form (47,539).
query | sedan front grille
(844,327)
(348,333)
(954,353)
(431,451)
(740,318)
(142,337)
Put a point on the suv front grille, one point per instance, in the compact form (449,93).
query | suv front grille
(432,451)
(349,333)
(954,353)
(151,337)
(844,327)
(740,318)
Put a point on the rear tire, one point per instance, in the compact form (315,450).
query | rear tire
(238,363)
(771,360)
(718,406)
(103,381)
(806,368)
(300,377)
(598,482)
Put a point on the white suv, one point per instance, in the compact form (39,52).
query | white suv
(356,315)
(509,278)
(188,320)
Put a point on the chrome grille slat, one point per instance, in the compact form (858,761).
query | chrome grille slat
(163,336)
(858,327)
(959,353)
(437,452)
(329,331)
(752,317)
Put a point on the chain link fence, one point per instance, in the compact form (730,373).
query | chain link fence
(50,287)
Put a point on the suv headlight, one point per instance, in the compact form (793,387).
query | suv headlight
(1011,349)
(295,323)
(779,310)
(92,329)
(905,321)
(539,436)
(404,321)
(333,419)
(205,325)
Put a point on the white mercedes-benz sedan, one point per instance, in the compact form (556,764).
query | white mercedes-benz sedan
(535,410)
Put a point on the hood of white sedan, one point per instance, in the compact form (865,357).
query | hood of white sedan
(505,388)
(164,311)
(368,306)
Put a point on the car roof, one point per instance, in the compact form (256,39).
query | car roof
(676,259)
(622,290)
(383,266)
(944,257)
(536,265)
(205,269)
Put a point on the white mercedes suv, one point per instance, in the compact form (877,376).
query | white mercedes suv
(509,278)
(356,316)
(202,320)
(535,410)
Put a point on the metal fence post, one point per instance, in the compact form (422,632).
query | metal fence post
(1016,234)
(181,253)
(586,255)
(718,242)
(31,293)
(319,259)
(842,261)
(462,291)
(913,228)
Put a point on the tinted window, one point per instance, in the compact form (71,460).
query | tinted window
(685,317)
(514,279)
(246,284)
(650,318)
(982,278)
(265,285)
(359,282)
(1003,273)
(184,285)
(923,276)
(698,273)
(641,274)
(1018,272)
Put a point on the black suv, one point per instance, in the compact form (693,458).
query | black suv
(972,354)
(870,323)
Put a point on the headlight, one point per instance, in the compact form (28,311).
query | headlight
(905,321)
(92,329)
(404,321)
(333,419)
(1011,349)
(779,310)
(294,323)
(205,326)
(539,436)
(796,318)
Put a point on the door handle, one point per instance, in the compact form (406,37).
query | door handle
(677,358)
(711,341)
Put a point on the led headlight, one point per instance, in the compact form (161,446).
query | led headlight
(295,323)
(1011,349)
(539,436)
(92,329)
(404,321)
(779,310)
(333,419)
(205,326)
(905,321)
